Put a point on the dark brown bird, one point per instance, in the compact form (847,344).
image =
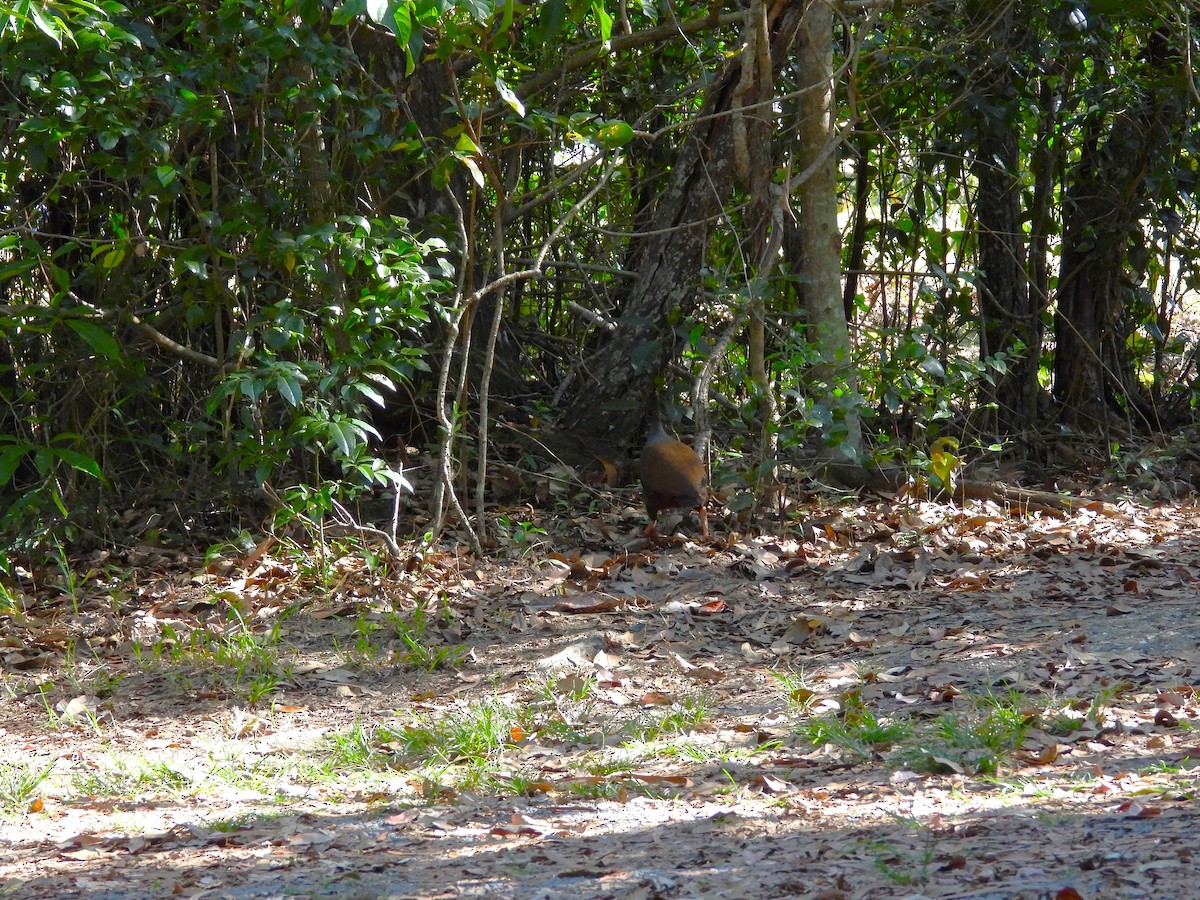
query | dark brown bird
(673,476)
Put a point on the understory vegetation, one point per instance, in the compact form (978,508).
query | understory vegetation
(262,260)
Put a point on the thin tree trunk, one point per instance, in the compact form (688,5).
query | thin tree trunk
(834,379)
(858,236)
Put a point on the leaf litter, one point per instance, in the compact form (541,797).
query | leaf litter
(918,701)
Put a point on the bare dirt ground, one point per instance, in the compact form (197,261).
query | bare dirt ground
(921,701)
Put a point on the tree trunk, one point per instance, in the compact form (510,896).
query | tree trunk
(1010,319)
(834,380)
(858,236)
(668,260)
(1104,202)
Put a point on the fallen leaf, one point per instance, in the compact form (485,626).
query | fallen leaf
(771,784)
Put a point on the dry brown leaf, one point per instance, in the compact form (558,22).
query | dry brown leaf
(597,604)
(80,840)
(771,784)
(711,607)
(1164,719)
(571,684)
(706,674)
(673,780)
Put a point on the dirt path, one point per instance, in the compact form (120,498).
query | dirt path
(929,702)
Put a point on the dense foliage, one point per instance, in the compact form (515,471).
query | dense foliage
(240,242)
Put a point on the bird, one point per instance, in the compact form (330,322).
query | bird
(673,477)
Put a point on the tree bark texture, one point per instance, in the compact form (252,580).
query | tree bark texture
(1104,204)
(1010,319)
(858,235)
(669,257)
(834,377)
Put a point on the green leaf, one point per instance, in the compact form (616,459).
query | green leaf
(476,172)
(251,388)
(49,28)
(263,470)
(43,460)
(401,25)
(348,12)
(19,267)
(96,337)
(378,11)
(506,19)
(343,436)
(551,18)
(414,47)
(308,10)
(112,258)
(480,10)
(364,430)
(78,461)
(614,134)
(464,144)
(370,393)
(604,21)
(289,389)
(509,97)
(165,174)
(440,176)
(933,367)
(351,437)
(195,266)
(10,458)
(397,479)
(56,496)
(740,501)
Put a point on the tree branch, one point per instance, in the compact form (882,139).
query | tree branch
(589,55)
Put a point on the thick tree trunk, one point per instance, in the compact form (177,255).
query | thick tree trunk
(1010,319)
(1089,300)
(1091,363)
(669,258)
